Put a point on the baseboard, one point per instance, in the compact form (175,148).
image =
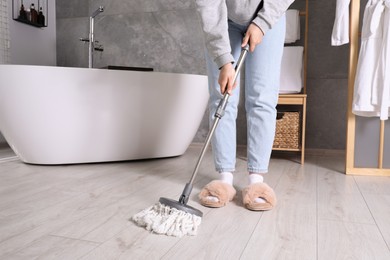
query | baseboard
(308,151)
(324,152)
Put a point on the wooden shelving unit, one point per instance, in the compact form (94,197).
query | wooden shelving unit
(299,99)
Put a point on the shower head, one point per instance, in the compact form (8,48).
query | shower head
(98,11)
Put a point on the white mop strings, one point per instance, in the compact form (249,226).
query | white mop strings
(162,219)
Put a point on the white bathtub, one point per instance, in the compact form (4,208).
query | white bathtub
(57,115)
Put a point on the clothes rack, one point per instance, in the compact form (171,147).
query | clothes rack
(351,160)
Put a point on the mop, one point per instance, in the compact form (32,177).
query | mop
(176,218)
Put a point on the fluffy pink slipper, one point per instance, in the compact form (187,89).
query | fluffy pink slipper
(223,191)
(258,190)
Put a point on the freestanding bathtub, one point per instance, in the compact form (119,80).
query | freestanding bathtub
(58,115)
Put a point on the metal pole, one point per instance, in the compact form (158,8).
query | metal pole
(90,50)
(218,115)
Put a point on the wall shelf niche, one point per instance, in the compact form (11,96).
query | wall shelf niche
(22,11)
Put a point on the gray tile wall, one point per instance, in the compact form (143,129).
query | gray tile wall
(327,86)
(166,35)
(386,152)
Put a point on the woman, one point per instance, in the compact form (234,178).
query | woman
(229,25)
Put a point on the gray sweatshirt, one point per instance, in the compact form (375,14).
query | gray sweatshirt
(214,15)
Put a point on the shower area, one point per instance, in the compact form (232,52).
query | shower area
(162,35)
(93,45)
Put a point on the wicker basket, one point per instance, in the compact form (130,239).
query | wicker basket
(287,130)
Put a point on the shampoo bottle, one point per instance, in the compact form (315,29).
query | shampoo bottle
(41,17)
(34,14)
(22,13)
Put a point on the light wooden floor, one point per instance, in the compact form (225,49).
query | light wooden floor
(82,211)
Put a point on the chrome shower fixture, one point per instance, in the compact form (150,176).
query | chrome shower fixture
(98,11)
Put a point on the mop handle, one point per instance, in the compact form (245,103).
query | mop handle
(217,116)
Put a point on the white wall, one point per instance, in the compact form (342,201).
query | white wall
(32,45)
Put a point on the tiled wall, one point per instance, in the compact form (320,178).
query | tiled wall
(327,86)
(166,35)
(4,32)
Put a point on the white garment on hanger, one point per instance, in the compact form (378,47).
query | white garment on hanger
(340,33)
(381,86)
(372,82)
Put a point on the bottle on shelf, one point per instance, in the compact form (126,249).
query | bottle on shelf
(28,14)
(34,14)
(41,17)
(22,12)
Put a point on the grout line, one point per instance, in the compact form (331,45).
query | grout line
(9,159)
(262,213)
(90,251)
(251,235)
(372,215)
(74,239)
(347,222)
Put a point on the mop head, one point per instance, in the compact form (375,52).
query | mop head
(165,220)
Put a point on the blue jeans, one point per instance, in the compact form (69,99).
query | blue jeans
(262,75)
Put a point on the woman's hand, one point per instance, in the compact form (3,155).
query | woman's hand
(226,78)
(253,37)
